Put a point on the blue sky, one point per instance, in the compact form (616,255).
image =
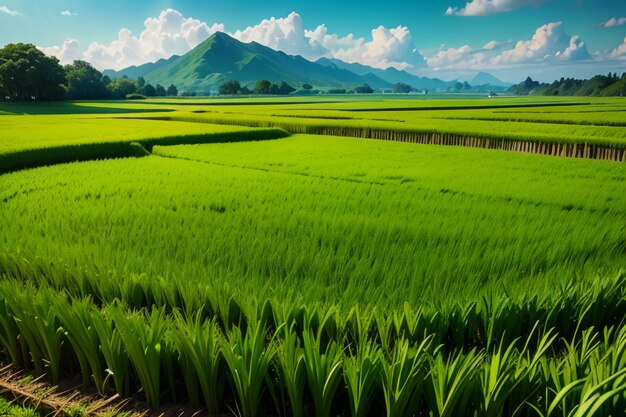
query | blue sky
(446,38)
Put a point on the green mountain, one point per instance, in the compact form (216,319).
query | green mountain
(221,58)
(390,75)
(136,71)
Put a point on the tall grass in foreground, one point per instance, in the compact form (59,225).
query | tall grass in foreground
(306,367)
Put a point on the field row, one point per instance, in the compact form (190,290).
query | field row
(45,140)
(381,238)
(553,127)
(308,366)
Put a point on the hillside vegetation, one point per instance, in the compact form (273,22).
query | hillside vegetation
(598,86)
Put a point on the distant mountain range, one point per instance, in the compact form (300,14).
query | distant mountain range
(390,75)
(221,58)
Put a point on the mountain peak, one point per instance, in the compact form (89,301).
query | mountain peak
(484,78)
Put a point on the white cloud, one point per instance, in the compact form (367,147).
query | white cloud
(490,45)
(620,51)
(167,35)
(486,7)
(387,48)
(612,22)
(68,13)
(549,41)
(5,9)
(331,42)
(446,57)
(549,44)
(283,34)
(67,53)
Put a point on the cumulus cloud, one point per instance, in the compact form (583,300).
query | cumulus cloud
(392,47)
(6,10)
(283,34)
(612,22)
(67,53)
(169,34)
(446,57)
(68,13)
(387,47)
(486,7)
(549,42)
(620,51)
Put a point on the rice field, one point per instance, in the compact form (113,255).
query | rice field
(249,270)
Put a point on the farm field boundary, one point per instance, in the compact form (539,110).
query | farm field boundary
(32,158)
(574,148)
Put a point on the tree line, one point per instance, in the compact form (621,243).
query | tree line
(600,85)
(266,87)
(27,74)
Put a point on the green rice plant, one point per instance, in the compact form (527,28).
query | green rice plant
(77,320)
(249,358)
(593,398)
(198,343)
(357,325)
(38,323)
(403,373)
(143,338)
(292,369)
(362,374)
(451,383)
(500,375)
(8,330)
(112,348)
(323,371)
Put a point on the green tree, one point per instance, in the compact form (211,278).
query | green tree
(284,88)
(401,88)
(172,91)
(229,88)
(84,82)
(262,87)
(307,87)
(160,91)
(364,89)
(141,81)
(148,90)
(121,88)
(26,73)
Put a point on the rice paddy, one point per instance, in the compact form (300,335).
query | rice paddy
(237,263)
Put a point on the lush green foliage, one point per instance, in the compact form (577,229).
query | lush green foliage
(27,74)
(84,82)
(315,275)
(394,226)
(600,85)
